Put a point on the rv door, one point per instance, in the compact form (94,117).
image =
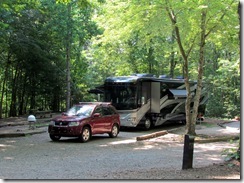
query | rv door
(155,97)
(151,93)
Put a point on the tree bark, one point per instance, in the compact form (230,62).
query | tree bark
(6,71)
(172,56)
(189,124)
(68,53)
(191,129)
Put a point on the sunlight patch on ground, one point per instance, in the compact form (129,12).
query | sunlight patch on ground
(229,177)
(209,157)
(207,152)
(10,141)
(4,146)
(148,146)
(228,131)
(214,146)
(8,158)
(128,141)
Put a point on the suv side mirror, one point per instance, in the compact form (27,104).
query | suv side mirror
(96,115)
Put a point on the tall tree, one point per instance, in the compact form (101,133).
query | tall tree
(193,22)
(204,28)
(68,52)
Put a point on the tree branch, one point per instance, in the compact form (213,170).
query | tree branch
(191,47)
(221,18)
(177,32)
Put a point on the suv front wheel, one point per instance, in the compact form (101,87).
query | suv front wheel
(55,137)
(114,132)
(86,134)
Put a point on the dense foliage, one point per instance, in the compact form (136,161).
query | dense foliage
(44,41)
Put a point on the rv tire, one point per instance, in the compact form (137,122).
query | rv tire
(147,124)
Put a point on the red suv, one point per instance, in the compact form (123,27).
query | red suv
(84,120)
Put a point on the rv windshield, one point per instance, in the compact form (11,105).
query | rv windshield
(121,95)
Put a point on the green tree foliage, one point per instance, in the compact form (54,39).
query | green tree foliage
(146,35)
(133,37)
(33,68)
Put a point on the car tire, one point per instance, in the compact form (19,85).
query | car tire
(114,131)
(55,137)
(85,134)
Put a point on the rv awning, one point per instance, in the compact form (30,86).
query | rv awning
(179,93)
(97,90)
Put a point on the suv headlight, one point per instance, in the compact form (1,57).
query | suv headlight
(74,123)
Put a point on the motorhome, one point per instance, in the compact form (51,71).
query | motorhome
(143,99)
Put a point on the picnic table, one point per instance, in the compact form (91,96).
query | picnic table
(42,113)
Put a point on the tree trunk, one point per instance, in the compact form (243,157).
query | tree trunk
(190,121)
(172,56)
(191,129)
(3,89)
(190,126)
(6,73)
(150,59)
(13,104)
(21,97)
(68,53)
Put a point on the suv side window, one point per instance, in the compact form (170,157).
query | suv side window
(99,110)
(112,110)
(107,111)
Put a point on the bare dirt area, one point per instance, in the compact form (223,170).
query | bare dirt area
(227,170)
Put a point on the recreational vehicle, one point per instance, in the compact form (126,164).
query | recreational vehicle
(143,99)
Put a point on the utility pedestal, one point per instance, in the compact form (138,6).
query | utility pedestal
(31,119)
(188,151)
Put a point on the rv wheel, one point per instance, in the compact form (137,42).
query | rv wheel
(148,124)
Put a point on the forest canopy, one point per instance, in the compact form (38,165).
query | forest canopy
(51,49)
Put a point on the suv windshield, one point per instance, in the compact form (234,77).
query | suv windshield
(80,110)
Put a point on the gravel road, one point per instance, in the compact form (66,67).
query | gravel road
(37,157)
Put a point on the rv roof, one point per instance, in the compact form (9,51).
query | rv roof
(126,79)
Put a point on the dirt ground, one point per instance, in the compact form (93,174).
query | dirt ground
(224,171)
(227,170)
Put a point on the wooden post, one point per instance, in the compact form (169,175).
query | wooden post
(188,151)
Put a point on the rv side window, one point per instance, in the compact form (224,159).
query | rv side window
(163,90)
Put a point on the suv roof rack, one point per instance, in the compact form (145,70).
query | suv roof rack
(96,103)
